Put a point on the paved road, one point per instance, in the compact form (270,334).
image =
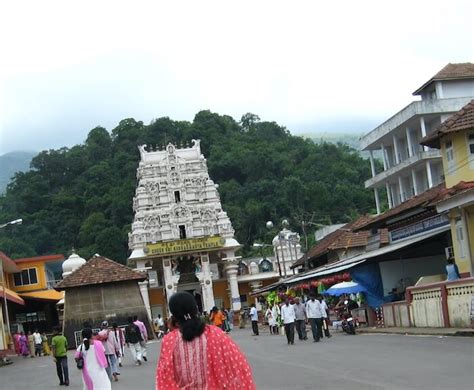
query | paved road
(365,362)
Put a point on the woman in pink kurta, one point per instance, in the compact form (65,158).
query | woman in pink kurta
(197,356)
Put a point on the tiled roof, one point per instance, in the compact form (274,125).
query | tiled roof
(450,72)
(351,240)
(323,245)
(40,258)
(461,120)
(423,200)
(458,189)
(99,270)
(8,264)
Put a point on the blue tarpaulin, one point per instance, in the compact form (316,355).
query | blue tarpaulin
(368,276)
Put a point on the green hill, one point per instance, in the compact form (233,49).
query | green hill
(81,196)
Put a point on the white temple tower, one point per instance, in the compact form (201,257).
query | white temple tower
(180,233)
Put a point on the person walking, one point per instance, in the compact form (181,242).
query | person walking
(300,319)
(111,348)
(133,338)
(94,375)
(24,347)
(276,314)
(16,340)
(254,319)
(31,344)
(288,318)
(59,353)
(325,312)
(199,356)
(38,342)
(144,335)
(46,349)
(315,317)
(270,320)
(120,338)
(217,318)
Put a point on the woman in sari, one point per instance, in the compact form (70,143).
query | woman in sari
(23,344)
(196,356)
(16,341)
(31,344)
(94,375)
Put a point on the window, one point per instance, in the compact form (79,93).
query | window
(182,232)
(25,277)
(470,143)
(449,151)
(177,197)
(460,238)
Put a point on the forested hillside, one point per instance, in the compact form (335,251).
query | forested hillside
(81,197)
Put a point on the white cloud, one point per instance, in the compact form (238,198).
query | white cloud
(68,67)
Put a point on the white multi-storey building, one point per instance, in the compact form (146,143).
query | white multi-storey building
(408,167)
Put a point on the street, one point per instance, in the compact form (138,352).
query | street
(365,362)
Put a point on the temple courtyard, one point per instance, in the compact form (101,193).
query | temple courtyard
(365,362)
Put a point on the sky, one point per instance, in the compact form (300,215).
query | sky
(312,66)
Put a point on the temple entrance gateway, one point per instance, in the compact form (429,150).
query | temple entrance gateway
(180,234)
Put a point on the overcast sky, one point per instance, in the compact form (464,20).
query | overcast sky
(317,66)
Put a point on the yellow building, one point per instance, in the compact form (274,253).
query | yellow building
(34,283)
(7,296)
(455,138)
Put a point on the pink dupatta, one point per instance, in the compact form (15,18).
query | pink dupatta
(226,365)
(101,359)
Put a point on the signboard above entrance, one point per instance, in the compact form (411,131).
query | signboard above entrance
(187,245)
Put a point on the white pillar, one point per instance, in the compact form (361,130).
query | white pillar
(389,195)
(171,281)
(231,269)
(377,200)
(423,131)
(428,174)
(409,142)
(205,278)
(401,189)
(372,164)
(146,299)
(384,158)
(395,148)
(413,178)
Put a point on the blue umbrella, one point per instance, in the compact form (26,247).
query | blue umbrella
(344,288)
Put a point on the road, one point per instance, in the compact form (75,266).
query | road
(365,362)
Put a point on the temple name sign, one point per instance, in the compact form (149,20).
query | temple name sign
(186,245)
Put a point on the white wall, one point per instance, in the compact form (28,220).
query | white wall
(393,271)
(458,88)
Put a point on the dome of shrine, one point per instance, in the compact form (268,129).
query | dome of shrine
(72,263)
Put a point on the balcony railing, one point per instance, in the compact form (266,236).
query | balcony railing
(408,163)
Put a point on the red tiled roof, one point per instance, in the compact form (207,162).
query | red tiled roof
(423,200)
(450,72)
(461,120)
(40,258)
(99,270)
(323,245)
(351,240)
(458,189)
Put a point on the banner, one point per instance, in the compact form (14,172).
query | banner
(186,245)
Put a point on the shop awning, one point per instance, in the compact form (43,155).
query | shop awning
(12,296)
(359,259)
(44,295)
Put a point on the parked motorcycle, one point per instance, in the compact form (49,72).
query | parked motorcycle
(348,323)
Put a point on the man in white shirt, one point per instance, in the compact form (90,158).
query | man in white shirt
(325,312)
(254,319)
(314,312)
(38,343)
(288,318)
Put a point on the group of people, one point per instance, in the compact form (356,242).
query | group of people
(100,355)
(33,344)
(295,315)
